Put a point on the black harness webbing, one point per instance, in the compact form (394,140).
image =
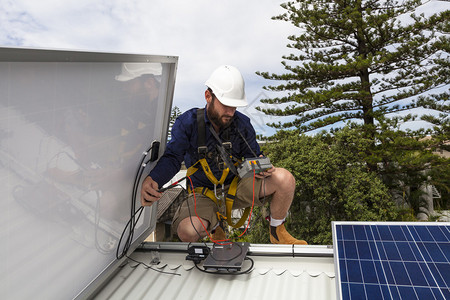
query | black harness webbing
(201,138)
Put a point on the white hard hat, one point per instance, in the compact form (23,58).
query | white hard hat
(134,70)
(227,84)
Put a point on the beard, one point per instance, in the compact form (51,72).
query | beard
(216,119)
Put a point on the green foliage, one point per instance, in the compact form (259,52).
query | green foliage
(334,180)
(353,60)
(331,182)
(440,178)
(409,160)
(258,232)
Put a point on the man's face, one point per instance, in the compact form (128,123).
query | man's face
(220,115)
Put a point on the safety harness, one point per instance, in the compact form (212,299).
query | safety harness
(228,197)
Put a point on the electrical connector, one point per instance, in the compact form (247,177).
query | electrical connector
(197,253)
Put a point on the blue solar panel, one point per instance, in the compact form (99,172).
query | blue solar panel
(380,260)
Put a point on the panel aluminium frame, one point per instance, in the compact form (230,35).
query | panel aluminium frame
(392,260)
(169,65)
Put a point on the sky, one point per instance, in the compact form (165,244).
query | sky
(202,34)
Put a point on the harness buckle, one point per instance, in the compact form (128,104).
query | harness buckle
(227,145)
(202,151)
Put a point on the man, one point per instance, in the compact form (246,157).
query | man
(223,125)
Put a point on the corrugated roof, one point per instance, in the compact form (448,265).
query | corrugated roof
(308,275)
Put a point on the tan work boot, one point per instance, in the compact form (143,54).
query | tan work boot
(218,234)
(279,235)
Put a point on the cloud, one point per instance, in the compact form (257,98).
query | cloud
(202,33)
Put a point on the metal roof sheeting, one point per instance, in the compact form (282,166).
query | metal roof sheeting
(309,275)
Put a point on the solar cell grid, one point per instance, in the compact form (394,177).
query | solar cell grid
(392,260)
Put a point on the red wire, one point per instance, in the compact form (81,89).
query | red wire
(195,208)
(203,225)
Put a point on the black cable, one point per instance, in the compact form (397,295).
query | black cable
(224,153)
(131,224)
(242,136)
(190,218)
(150,267)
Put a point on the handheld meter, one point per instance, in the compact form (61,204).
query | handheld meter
(259,164)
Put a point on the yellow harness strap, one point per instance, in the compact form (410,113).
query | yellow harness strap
(211,176)
(229,199)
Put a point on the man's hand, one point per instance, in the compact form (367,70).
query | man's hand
(149,192)
(266,173)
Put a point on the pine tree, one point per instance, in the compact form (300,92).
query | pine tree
(361,60)
(174,114)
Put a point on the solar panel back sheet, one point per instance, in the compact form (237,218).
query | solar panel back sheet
(392,260)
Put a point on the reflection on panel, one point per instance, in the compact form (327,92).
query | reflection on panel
(71,137)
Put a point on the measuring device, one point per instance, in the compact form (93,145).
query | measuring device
(257,164)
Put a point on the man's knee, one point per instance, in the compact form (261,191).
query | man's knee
(284,179)
(191,230)
(281,181)
(287,176)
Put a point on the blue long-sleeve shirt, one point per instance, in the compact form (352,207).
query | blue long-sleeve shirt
(184,146)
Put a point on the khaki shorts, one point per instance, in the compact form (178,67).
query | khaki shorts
(207,209)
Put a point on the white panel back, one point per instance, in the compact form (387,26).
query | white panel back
(71,138)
